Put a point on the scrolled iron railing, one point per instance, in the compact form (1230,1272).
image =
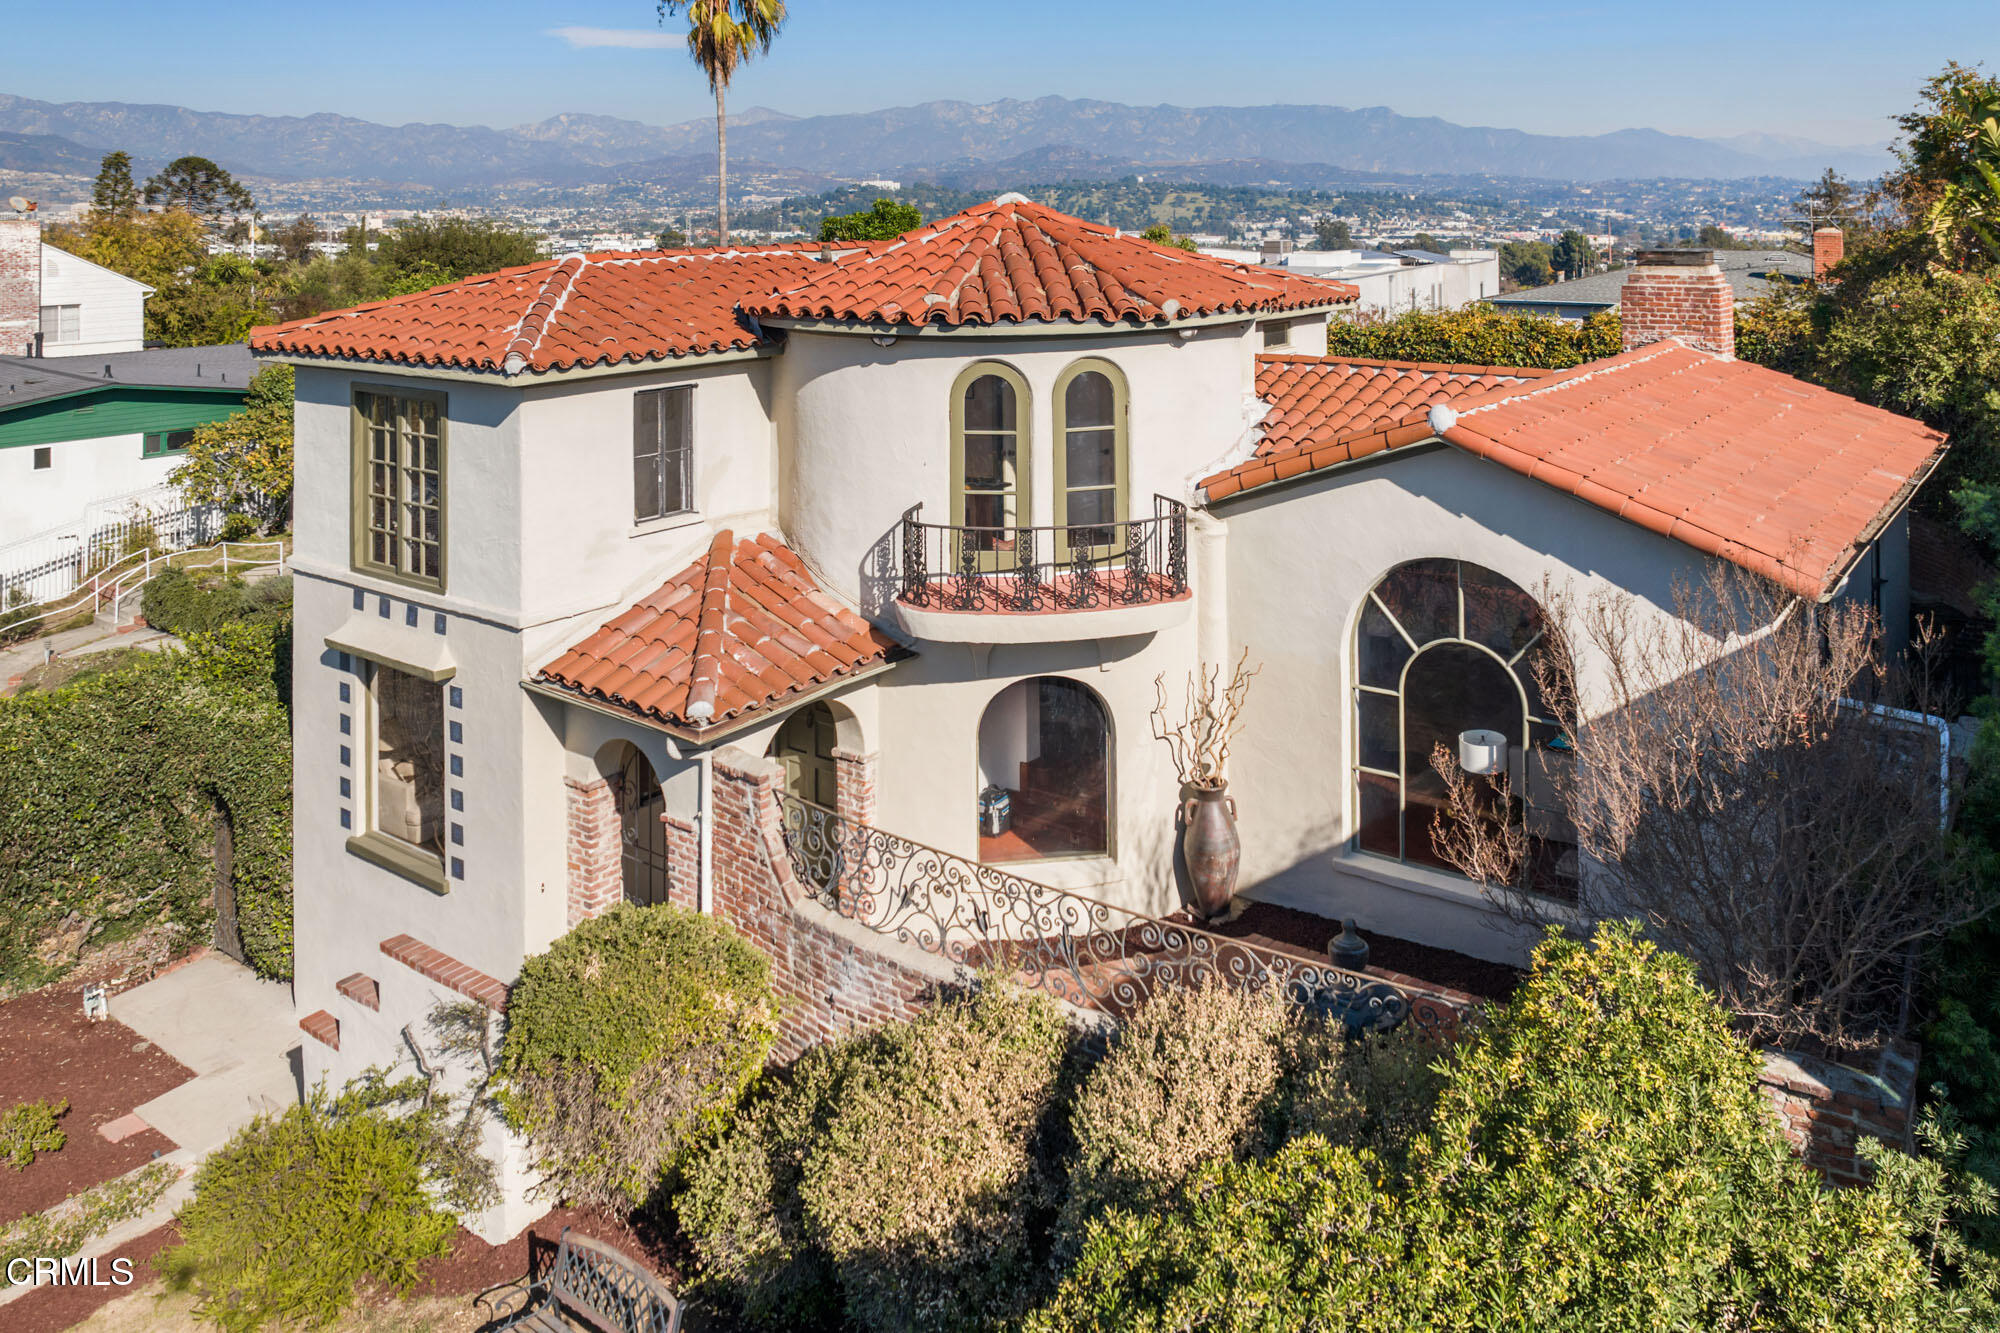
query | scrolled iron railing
(1079,567)
(1088,953)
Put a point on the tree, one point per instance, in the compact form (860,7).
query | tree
(1526,263)
(1332,234)
(722,34)
(1161,234)
(455,247)
(1572,256)
(244,463)
(1712,237)
(1952,164)
(673,238)
(885,221)
(1423,240)
(1828,199)
(114,195)
(1726,792)
(200,187)
(296,238)
(1479,335)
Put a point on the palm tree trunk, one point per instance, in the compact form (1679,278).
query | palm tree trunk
(721,171)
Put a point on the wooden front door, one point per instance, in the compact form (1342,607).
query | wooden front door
(641,802)
(804,746)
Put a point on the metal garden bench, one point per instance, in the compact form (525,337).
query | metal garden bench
(589,1285)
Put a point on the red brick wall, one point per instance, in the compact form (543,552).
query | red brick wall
(1829,248)
(1825,1109)
(832,985)
(596,875)
(683,862)
(20,282)
(1694,304)
(854,785)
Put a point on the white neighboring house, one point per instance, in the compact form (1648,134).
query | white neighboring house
(53,303)
(923,518)
(1389,282)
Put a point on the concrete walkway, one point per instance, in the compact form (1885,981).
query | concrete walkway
(239,1036)
(18,659)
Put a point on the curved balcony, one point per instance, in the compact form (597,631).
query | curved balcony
(1043,585)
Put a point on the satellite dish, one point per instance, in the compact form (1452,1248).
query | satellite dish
(17,203)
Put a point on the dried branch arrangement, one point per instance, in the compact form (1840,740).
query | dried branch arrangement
(1213,714)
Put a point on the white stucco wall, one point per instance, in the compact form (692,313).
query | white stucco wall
(112,314)
(79,472)
(1301,559)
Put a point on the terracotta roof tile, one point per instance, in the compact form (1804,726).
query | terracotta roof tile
(742,627)
(581,310)
(1315,400)
(1011,261)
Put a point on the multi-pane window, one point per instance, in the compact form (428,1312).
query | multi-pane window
(162,442)
(409,759)
(990,462)
(399,481)
(662,453)
(1090,459)
(62,323)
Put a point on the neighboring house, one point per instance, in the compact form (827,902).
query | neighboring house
(1750,273)
(925,518)
(53,303)
(1389,282)
(87,441)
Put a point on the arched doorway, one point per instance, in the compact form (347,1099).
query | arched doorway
(643,840)
(804,745)
(1046,744)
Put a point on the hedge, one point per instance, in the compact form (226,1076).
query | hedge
(113,790)
(1479,336)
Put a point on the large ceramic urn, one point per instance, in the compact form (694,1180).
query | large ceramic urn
(1214,852)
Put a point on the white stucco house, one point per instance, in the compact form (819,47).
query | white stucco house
(1388,283)
(927,518)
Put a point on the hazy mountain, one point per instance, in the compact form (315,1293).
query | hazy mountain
(47,154)
(1793,156)
(570,148)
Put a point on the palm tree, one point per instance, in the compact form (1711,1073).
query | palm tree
(722,34)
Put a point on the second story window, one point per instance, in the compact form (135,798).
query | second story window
(62,323)
(990,460)
(662,453)
(399,450)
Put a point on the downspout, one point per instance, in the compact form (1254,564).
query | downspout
(704,762)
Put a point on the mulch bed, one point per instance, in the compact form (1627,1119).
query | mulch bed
(1304,934)
(473,1265)
(52,1309)
(49,1051)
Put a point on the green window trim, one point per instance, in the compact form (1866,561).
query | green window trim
(161,443)
(1121,407)
(397,515)
(1002,556)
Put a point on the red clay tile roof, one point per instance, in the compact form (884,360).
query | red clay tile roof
(1317,399)
(582,310)
(1779,476)
(743,627)
(1011,261)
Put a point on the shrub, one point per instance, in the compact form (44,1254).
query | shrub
(926,1189)
(741,1208)
(631,1038)
(1376,1092)
(175,601)
(1479,335)
(28,1128)
(64,1228)
(113,790)
(240,527)
(1185,1082)
(1600,1159)
(297,1209)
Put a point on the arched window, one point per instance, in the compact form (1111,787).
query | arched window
(989,458)
(643,841)
(1090,447)
(1445,647)
(1045,757)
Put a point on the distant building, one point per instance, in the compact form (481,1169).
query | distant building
(1750,274)
(1391,282)
(53,303)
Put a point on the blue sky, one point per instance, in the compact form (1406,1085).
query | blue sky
(1832,70)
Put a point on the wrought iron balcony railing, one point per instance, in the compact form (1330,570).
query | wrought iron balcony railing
(1080,567)
(1089,953)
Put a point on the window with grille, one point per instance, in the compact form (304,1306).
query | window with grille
(662,453)
(62,323)
(399,486)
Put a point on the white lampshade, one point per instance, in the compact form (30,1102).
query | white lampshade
(1482,752)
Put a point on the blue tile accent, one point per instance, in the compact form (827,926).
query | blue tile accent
(346,757)
(457,697)
(437,623)
(458,835)
(346,788)
(457,799)
(457,732)
(346,818)
(346,692)
(410,614)
(457,868)
(457,766)
(360,600)
(382,607)
(346,725)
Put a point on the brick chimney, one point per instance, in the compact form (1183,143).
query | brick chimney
(20,282)
(1829,248)
(1679,294)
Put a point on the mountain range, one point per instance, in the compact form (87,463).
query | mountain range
(1100,137)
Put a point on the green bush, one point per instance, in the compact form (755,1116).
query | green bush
(1376,1093)
(1599,1158)
(630,1039)
(29,1128)
(1186,1081)
(181,603)
(240,527)
(1479,335)
(66,1227)
(927,1190)
(113,790)
(298,1209)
